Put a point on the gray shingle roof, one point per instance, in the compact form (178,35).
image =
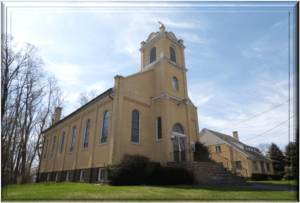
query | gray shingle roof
(235,143)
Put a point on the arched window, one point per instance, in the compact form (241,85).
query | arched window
(52,150)
(158,126)
(62,143)
(175,83)
(152,54)
(177,128)
(73,139)
(86,134)
(135,126)
(45,149)
(172,54)
(104,132)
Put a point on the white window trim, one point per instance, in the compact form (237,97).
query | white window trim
(177,83)
(85,132)
(157,130)
(52,149)
(73,140)
(99,175)
(61,144)
(140,118)
(81,178)
(175,53)
(56,176)
(155,54)
(45,150)
(102,120)
(67,176)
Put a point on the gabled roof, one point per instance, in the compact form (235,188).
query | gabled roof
(235,143)
(109,91)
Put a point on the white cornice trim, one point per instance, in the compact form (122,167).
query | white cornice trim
(157,37)
(226,143)
(163,58)
(168,96)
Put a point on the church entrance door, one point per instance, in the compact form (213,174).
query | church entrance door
(179,148)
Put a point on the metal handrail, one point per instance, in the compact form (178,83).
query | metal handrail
(233,164)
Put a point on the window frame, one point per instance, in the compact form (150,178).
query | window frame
(218,147)
(176,82)
(268,167)
(102,121)
(254,168)
(139,141)
(84,137)
(171,46)
(61,143)
(81,177)
(238,164)
(99,175)
(53,146)
(48,176)
(56,176)
(67,175)
(45,150)
(150,55)
(72,139)
(158,139)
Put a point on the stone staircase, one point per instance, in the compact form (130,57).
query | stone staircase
(210,173)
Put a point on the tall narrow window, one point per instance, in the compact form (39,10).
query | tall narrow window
(104,132)
(52,150)
(158,126)
(73,139)
(48,175)
(62,143)
(175,83)
(82,175)
(135,126)
(152,54)
(87,133)
(56,176)
(45,149)
(172,54)
(254,165)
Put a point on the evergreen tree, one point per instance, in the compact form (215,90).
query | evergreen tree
(201,152)
(295,162)
(288,153)
(278,158)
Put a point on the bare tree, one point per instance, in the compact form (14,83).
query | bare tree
(84,97)
(28,102)
(264,147)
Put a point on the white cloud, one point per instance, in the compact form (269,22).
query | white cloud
(251,55)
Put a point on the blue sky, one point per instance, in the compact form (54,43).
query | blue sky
(237,56)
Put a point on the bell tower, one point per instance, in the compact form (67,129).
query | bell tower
(163,52)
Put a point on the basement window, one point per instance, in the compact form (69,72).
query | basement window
(48,175)
(68,175)
(81,175)
(101,174)
(56,176)
(238,164)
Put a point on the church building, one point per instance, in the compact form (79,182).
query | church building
(147,113)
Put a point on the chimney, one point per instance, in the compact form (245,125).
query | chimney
(57,114)
(235,134)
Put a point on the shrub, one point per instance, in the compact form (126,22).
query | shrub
(281,174)
(259,176)
(201,152)
(275,177)
(131,170)
(288,177)
(170,176)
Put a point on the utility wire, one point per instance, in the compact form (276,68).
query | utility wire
(258,114)
(272,136)
(271,128)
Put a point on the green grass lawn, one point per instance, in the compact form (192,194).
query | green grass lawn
(52,191)
(280,183)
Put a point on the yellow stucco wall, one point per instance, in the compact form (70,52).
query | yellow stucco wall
(130,93)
